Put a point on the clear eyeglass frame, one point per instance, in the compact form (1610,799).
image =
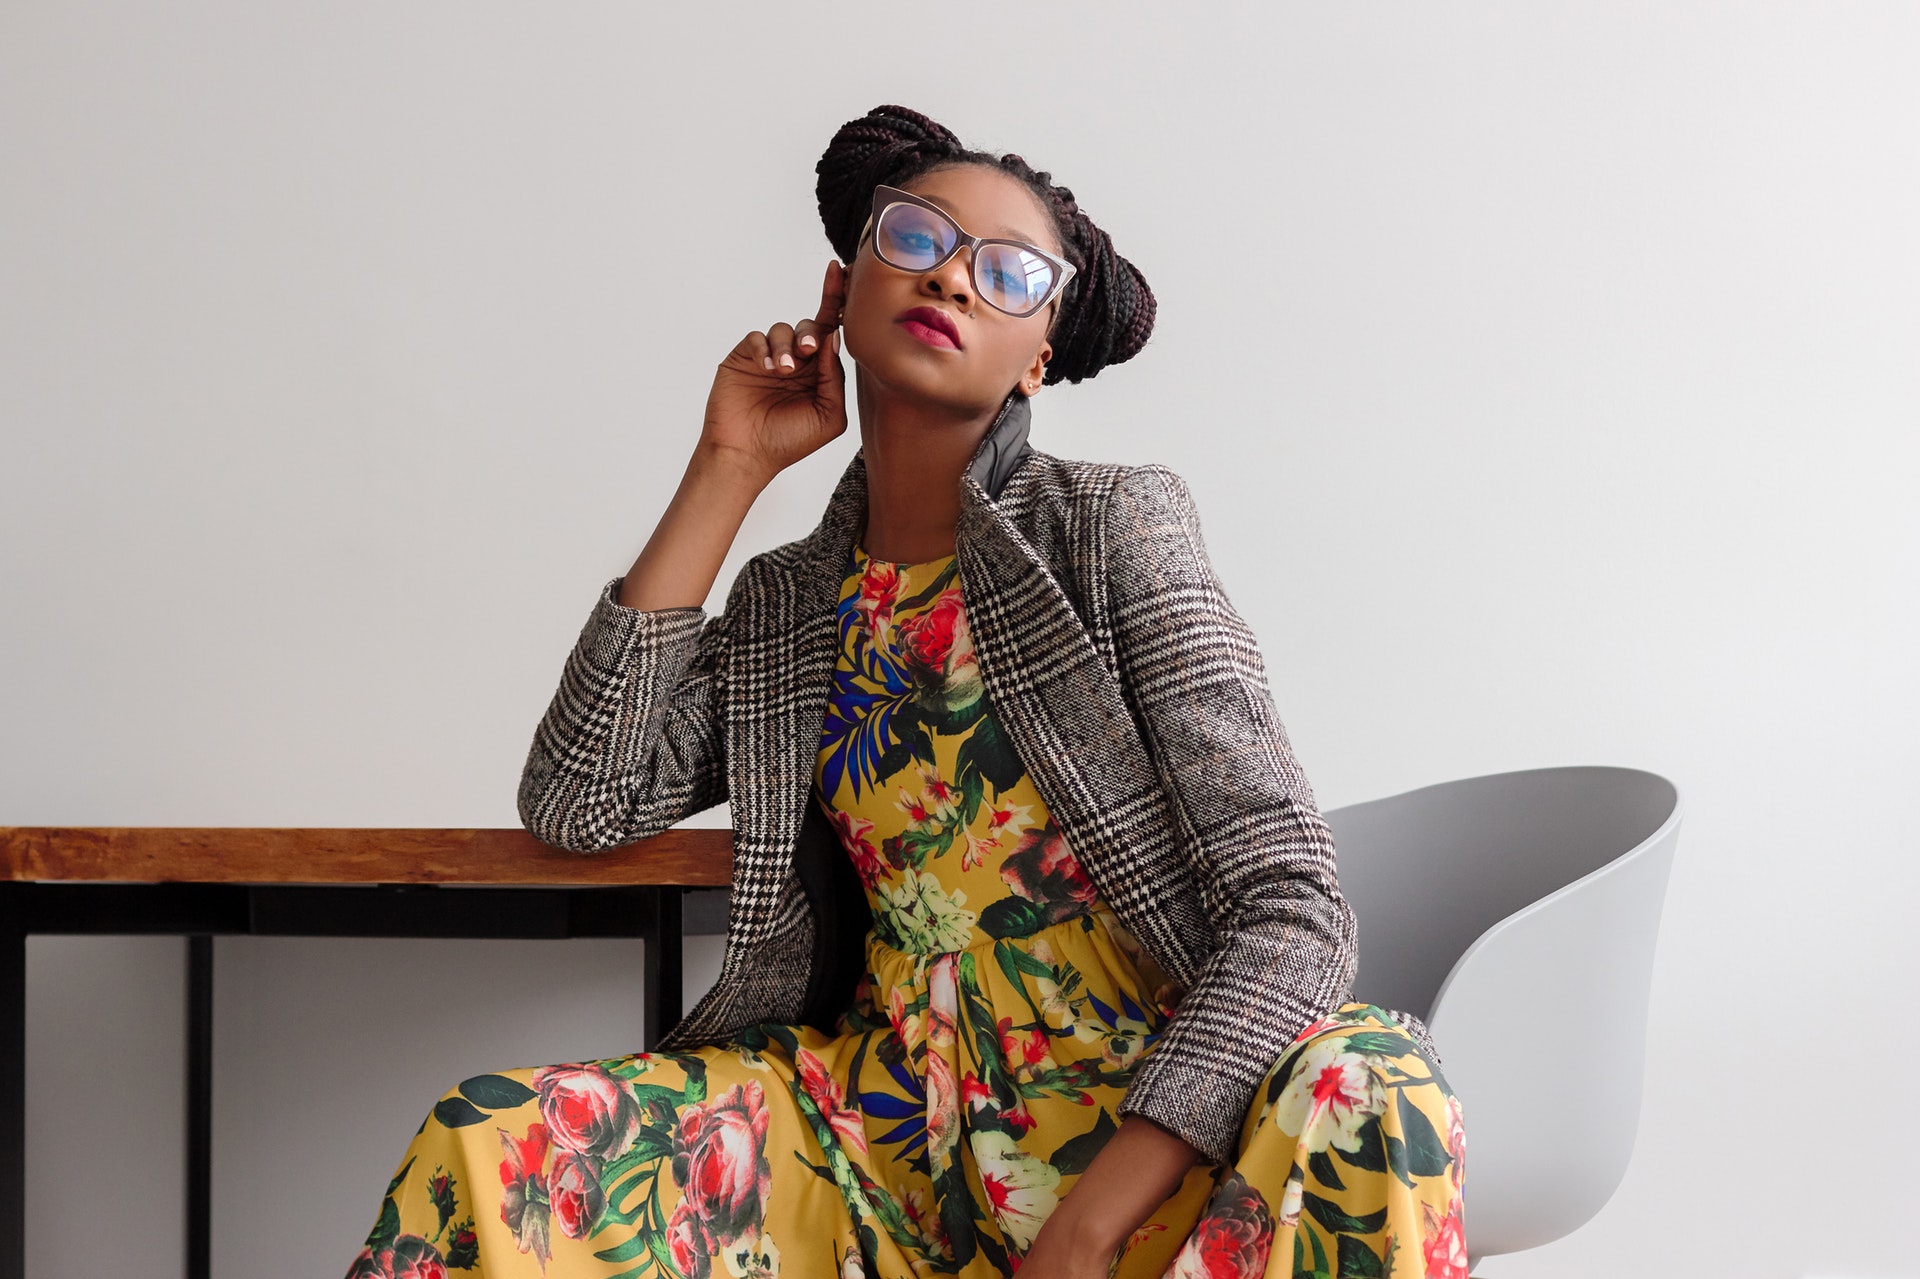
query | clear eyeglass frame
(885,197)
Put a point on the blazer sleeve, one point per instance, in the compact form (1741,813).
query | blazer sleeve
(633,740)
(1261,853)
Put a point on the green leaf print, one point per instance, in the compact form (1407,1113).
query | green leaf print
(1426,1154)
(988,750)
(626,1251)
(1077,1152)
(387,1228)
(458,1112)
(1357,1261)
(645,1095)
(1397,1160)
(897,755)
(1321,1166)
(400,1176)
(972,792)
(1383,1043)
(1014,961)
(913,735)
(956,1213)
(1370,1151)
(949,575)
(662,1255)
(696,1072)
(1319,1254)
(1336,1219)
(1013,917)
(496,1092)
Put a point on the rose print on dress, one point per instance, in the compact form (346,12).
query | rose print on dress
(720,1162)
(408,1257)
(1232,1240)
(1042,869)
(937,646)
(587,1110)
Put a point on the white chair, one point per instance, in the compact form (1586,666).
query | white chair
(1516,914)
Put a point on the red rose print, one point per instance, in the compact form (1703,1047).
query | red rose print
(408,1257)
(440,1190)
(1042,868)
(587,1110)
(1444,1245)
(576,1192)
(1232,1238)
(366,1266)
(690,1242)
(937,647)
(415,1258)
(463,1248)
(720,1161)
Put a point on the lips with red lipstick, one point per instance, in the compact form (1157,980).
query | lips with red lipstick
(932,326)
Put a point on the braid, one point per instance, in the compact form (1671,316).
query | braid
(1106,311)
(887,146)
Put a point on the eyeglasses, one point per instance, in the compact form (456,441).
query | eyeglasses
(913,234)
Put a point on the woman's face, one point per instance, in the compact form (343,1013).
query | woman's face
(996,351)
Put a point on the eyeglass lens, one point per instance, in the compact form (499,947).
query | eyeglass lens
(913,239)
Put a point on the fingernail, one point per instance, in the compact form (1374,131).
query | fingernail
(807,342)
(767,360)
(786,361)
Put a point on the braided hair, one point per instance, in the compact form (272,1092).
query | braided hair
(1106,311)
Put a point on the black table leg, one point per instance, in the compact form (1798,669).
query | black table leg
(13,1084)
(199,1106)
(660,988)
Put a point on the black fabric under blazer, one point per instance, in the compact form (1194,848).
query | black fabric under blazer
(1132,690)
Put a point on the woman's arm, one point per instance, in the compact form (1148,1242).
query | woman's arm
(632,741)
(1192,670)
(1138,1169)
(634,738)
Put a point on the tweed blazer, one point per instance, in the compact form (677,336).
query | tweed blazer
(1133,692)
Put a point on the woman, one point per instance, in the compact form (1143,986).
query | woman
(1036,957)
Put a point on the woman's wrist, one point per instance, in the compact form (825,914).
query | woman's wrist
(1138,1169)
(714,463)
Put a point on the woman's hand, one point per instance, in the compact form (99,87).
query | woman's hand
(781,394)
(1140,1168)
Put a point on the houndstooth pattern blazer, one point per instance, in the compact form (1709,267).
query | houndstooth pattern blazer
(1132,690)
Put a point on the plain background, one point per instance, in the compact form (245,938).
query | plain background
(1547,376)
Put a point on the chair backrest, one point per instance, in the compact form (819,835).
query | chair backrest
(1517,914)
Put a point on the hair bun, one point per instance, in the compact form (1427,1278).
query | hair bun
(865,153)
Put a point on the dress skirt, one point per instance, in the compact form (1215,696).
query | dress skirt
(1002,1013)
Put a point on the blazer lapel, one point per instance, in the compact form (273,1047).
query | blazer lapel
(1061,704)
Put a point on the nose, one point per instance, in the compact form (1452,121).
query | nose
(952,279)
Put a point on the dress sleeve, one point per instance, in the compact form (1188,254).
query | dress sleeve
(1262,855)
(633,740)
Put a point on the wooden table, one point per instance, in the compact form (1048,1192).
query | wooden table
(202,882)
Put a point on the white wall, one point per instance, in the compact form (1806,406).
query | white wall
(1546,374)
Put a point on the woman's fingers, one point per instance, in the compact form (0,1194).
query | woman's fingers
(833,296)
(752,349)
(831,378)
(806,337)
(780,343)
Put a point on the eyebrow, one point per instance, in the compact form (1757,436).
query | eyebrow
(1007,232)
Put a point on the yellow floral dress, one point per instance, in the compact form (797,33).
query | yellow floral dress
(1003,1011)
